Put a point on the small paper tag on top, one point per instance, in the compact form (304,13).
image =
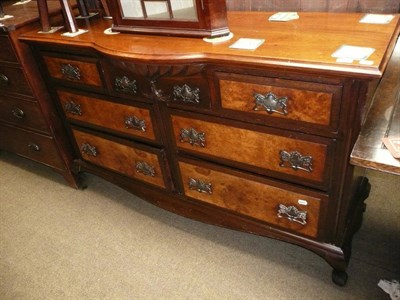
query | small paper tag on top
(247,44)
(283,17)
(376,19)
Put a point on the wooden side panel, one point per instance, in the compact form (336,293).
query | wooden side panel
(252,198)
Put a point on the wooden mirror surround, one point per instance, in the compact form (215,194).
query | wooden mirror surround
(202,18)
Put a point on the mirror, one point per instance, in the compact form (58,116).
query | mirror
(177,10)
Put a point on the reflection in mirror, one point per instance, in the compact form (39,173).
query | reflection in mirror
(160,9)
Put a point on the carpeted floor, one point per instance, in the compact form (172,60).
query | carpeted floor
(104,243)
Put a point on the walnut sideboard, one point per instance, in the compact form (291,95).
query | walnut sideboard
(28,124)
(254,140)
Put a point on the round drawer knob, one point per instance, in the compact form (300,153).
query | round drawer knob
(4,81)
(18,113)
(33,147)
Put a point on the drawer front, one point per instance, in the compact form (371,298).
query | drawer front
(143,165)
(34,146)
(13,80)
(263,151)
(127,119)
(22,113)
(263,98)
(6,50)
(76,71)
(295,210)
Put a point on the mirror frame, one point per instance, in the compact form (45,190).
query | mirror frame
(211,22)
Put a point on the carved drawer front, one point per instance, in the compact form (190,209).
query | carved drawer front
(296,210)
(143,165)
(22,113)
(127,119)
(264,152)
(6,50)
(32,145)
(260,99)
(12,79)
(74,71)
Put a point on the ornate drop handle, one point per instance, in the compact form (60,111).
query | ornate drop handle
(73,108)
(4,81)
(270,103)
(33,147)
(200,186)
(296,161)
(186,94)
(191,136)
(135,123)
(125,85)
(18,113)
(144,168)
(292,213)
(70,72)
(88,149)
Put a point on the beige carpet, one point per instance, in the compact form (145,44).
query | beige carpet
(104,243)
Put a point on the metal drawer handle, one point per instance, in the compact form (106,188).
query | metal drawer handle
(33,147)
(126,85)
(73,108)
(186,94)
(191,136)
(144,168)
(296,161)
(135,123)
(18,113)
(4,81)
(200,186)
(70,72)
(292,213)
(88,149)
(270,103)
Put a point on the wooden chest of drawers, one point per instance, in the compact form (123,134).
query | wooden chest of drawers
(257,141)
(28,125)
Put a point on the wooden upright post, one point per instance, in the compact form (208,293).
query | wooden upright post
(44,15)
(69,19)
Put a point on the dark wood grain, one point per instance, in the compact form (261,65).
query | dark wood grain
(371,6)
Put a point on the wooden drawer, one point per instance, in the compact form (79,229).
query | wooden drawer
(12,79)
(22,113)
(176,85)
(262,100)
(280,205)
(35,146)
(138,162)
(276,153)
(85,72)
(127,119)
(6,50)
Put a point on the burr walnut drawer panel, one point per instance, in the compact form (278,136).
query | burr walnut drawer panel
(32,145)
(12,80)
(260,99)
(22,113)
(6,50)
(127,119)
(85,72)
(281,205)
(267,151)
(136,161)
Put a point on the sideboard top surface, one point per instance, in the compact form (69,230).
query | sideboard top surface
(306,43)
